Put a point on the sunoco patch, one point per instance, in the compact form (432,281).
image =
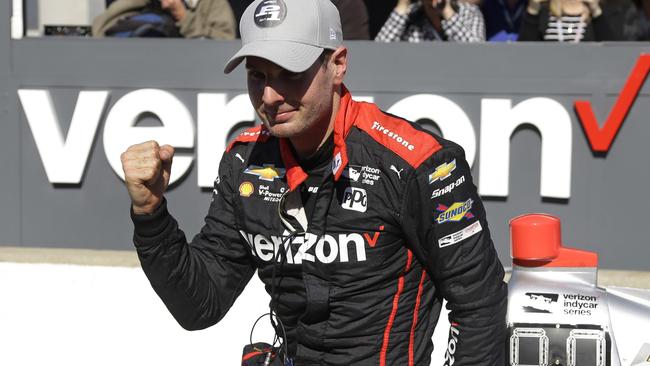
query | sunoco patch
(456,212)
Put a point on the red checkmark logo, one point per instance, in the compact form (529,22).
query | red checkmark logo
(373,241)
(599,138)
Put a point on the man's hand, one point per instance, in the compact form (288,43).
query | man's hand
(175,7)
(147,167)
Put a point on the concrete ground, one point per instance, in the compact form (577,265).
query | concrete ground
(116,258)
(110,258)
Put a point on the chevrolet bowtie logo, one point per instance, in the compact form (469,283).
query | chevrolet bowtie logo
(442,171)
(268,172)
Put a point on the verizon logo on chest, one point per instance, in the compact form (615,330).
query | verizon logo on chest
(325,249)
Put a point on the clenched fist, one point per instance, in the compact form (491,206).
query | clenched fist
(147,167)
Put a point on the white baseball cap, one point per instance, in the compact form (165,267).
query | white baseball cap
(289,33)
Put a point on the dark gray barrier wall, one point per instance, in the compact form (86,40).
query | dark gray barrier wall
(600,197)
(10,213)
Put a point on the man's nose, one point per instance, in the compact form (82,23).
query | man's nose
(271,96)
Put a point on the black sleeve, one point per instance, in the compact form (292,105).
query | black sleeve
(199,281)
(530,28)
(446,225)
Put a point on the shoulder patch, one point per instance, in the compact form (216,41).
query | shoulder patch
(253,134)
(399,136)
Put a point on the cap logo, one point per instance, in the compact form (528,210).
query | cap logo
(332,34)
(270,13)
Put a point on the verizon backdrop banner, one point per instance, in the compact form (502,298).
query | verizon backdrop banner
(546,128)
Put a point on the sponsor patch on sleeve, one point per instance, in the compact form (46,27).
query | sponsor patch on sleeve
(442,172)
(456,212)
(448,188)
(460,235)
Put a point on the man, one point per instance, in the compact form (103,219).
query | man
(203,19)
(354,17)
(433,20)
(358,222)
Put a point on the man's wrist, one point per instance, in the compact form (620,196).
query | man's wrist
(149,227)
(145,209)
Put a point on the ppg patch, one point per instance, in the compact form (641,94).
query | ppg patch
(355,199)
(270,13)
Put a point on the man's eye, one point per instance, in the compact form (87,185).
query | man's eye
(255,75)
(294,75)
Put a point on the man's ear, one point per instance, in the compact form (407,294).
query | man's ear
(339,60)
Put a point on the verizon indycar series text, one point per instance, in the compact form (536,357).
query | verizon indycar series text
(558,315)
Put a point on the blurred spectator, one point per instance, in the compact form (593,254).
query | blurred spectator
(503,19)
(565,21)
(207,19)
(238,7)
(630,19)
(433,20)
(637,22)
(354,19)
(354,16)
(378,12)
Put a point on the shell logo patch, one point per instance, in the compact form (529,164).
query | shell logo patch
(268,172)
(246,189)
(442,171)
(456,212)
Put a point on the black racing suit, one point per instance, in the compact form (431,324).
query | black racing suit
(393,227)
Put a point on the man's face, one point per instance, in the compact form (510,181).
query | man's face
(291,104)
